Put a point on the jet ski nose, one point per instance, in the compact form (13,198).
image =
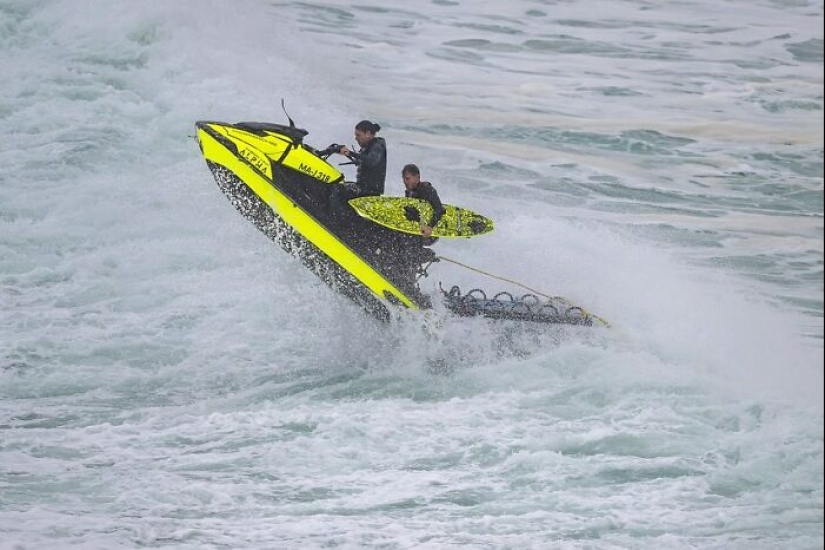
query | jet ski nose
(204,124)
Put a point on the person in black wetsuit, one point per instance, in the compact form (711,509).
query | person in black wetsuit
(417,189)
(410,251)
(371,162)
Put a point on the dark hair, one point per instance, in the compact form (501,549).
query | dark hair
(411,169)
(367,126)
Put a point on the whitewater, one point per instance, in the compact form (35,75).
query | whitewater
(170,378)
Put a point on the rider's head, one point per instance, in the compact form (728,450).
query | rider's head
(411,175)
(365,131)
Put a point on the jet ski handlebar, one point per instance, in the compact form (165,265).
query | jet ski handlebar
(334,148)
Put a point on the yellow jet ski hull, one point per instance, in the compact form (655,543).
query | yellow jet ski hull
(282,186)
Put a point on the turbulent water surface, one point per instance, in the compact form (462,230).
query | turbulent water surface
(169,378)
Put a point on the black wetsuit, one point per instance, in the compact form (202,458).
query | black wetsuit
(371,161)
(425,191)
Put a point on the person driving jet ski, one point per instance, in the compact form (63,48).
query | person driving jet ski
(371,162)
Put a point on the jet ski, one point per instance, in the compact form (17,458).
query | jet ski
(282,185)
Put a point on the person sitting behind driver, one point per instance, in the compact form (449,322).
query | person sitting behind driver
(417,189)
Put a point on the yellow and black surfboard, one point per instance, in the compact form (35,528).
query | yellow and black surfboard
(407,215)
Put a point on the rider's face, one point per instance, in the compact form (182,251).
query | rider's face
(411,180)
(363,137)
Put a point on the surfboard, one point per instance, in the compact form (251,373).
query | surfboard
(408,215)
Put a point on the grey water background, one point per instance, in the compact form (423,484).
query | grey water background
(169,378)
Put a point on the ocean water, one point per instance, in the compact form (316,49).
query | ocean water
(169,378)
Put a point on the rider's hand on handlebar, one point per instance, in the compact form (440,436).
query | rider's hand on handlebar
(329,150)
